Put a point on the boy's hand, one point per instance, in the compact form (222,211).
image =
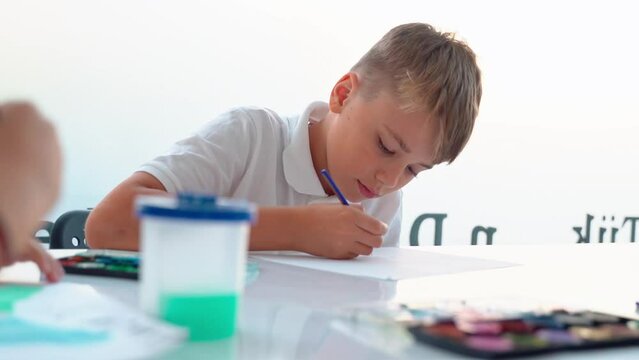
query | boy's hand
(340,232)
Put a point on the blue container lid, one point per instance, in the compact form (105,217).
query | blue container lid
(194,206)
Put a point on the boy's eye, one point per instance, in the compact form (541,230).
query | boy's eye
(384,149)
(411,171)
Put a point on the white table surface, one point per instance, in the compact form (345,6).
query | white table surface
(289,312)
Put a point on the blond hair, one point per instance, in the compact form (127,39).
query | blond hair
(430,71)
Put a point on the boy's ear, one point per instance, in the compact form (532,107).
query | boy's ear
(343,90)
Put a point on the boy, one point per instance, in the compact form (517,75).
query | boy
(410,103)
(30,163)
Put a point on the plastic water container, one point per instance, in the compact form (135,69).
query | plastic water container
(193,261)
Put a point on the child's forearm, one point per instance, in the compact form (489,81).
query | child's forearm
(113,224)
(277,228)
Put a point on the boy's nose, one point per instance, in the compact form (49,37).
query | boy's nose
(390,176)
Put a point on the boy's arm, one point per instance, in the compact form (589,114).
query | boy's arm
(328,230)
(113,223)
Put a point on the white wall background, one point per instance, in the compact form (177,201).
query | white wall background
(557,136)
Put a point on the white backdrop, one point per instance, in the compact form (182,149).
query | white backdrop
(556,138)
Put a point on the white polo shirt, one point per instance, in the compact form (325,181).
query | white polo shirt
(254,154)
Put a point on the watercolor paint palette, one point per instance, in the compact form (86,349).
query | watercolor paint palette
(109,263)
(490,332)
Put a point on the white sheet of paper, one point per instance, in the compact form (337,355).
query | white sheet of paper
(22,272)
(131,333)
(388,263)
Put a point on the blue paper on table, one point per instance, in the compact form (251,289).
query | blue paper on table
(15,331)
(62,321)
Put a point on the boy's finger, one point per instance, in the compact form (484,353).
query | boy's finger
(357,206)
(371,225)
(361,249)
(373,241)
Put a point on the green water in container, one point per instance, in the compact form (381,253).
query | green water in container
(207,316)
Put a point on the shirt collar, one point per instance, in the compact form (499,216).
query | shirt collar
(297,160)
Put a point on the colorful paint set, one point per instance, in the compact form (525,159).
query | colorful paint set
(487,332)
(110,263)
